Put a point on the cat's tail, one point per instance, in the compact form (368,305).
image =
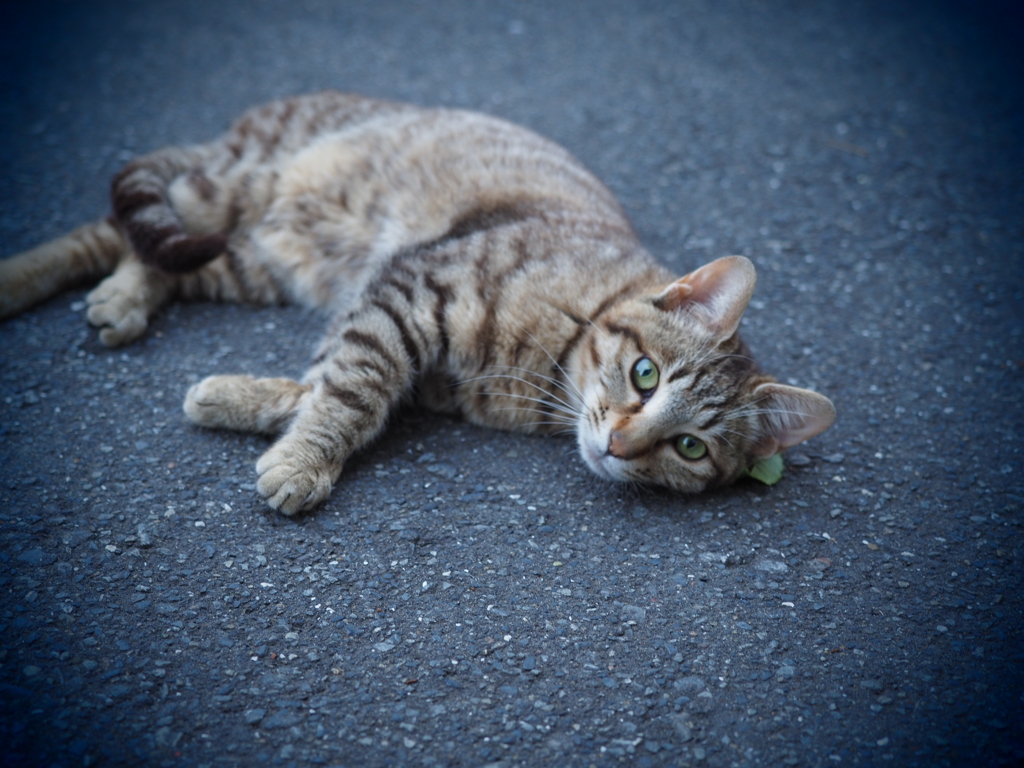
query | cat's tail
(83,255)
(142,207)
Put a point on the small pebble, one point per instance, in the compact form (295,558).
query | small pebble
(253,716)
(37,557)
(797,460)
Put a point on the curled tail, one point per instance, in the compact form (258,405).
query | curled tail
(142,207)
(85,254)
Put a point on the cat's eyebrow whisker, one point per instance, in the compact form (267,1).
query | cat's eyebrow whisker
(732,432)
(710,358)
(716,358)
(704,352)
(706,355)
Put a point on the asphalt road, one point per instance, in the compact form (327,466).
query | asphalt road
(468,597)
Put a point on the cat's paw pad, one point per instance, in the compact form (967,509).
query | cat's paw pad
(120,316)
(291,485)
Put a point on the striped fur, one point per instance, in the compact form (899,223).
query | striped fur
(464,260)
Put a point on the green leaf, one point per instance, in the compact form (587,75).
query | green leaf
(768,471)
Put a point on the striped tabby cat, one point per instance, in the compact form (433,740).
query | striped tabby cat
(463,259)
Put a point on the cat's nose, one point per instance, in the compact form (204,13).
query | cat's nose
(620,446)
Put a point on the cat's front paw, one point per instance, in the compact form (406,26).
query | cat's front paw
(220,402)
(245,403)
(291,482)
(120,316)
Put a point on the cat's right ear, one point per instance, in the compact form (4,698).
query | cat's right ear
(789,415)
(716,295)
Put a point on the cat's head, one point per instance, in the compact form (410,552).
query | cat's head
(671,395)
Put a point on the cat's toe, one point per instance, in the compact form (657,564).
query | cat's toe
(130,327)
(290,488)
(119,319)
(209,402)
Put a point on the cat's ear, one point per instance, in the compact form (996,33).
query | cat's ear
(716,295)
(790,415)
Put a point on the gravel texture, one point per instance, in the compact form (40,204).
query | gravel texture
(472,598)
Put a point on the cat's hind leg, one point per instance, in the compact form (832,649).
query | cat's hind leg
(87,253)
(245,403)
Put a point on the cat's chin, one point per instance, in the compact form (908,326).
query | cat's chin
(601,463)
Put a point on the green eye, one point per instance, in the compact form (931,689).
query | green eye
(690,447)
(645,375)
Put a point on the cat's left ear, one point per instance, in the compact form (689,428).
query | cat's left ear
(790,415)
(716,295)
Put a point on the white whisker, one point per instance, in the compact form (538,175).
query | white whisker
(557,432)
(552,406)
(550,379)
(523,380)
(558,367)
(555,416)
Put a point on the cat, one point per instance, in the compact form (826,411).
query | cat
(464,260)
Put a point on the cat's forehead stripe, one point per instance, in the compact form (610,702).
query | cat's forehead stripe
(614,298)
(595,355)
(624,330)
(711,422)
(570,345)
(699,375)
(682,372)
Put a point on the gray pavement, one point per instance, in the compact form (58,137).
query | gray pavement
(469,597)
